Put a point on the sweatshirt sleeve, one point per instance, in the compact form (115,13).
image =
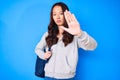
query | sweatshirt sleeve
(86,42)
(39,50)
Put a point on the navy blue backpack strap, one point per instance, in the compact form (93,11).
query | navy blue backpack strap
(39,66)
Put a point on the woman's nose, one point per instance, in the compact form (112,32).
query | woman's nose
(58,16)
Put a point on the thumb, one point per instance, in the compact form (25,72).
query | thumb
(64,28)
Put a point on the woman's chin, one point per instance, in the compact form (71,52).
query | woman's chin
(59,24)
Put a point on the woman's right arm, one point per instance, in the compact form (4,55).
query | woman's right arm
(39,50)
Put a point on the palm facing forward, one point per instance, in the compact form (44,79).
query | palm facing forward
(73,25)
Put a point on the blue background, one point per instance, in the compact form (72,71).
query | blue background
(23,22)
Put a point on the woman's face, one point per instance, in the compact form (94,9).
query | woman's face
(58,15)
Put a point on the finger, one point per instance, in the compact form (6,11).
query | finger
(49,55)
(70,16)
(66,16)
(66,29)
(49,52)
(74,18)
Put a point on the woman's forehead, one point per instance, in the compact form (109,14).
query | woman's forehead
(57,9)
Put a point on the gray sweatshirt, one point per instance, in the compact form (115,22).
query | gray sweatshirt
(62,64)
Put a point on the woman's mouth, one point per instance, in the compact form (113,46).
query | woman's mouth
(58,21)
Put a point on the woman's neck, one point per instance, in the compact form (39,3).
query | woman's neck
(60,32)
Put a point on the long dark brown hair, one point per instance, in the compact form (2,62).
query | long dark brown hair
(53,31)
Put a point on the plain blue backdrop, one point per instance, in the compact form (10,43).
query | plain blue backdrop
(23,22)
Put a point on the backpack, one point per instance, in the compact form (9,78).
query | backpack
(39,66)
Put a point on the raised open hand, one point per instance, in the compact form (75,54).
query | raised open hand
(73,24)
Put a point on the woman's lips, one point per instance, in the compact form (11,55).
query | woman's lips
(58,21)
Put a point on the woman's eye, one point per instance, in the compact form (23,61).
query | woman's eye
(61,13)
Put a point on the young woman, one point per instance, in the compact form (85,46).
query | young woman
(64,37)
